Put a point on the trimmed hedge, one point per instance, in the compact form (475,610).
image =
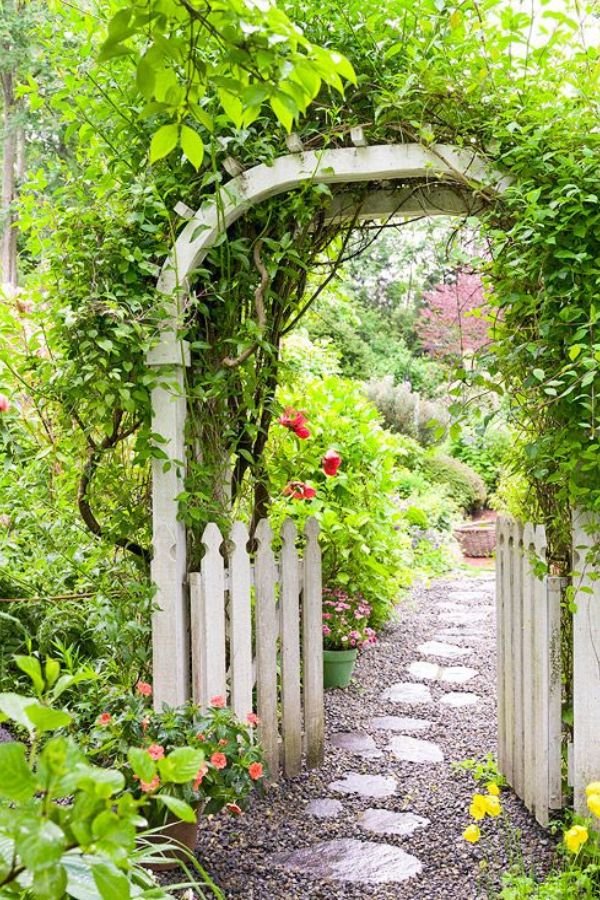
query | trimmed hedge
(463,484)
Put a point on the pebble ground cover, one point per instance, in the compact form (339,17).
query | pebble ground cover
(383,818)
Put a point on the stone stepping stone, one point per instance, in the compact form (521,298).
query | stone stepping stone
(466,617)
(458,699)
(356,742)
(383,821)
(462,631)
(467,596)
(399,723)
(359,862)
(365,785)
(412,749)
(433,672)
(325,808)
(408,692)
(444,651)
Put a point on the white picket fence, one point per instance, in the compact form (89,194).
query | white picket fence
(256,637)
(530,733)
(529,668)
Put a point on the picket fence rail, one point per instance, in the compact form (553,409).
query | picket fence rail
(256,637)
(531,739)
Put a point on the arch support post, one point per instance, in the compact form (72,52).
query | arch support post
(170,620)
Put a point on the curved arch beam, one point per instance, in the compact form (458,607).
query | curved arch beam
(431,165)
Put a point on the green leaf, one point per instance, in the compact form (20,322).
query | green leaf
(284,108)
(232,107)
(163,142)
(32,667)
(145,78)
(539,374)
(40,844)
(343,66)
(13,706)
(192,146)
(142,763)
(51,671)
(181,765)
(17,781)
(49,883)
(112,884)
(178,807)
(47,719)
(103,783)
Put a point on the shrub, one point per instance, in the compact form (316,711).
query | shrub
(406,412)
(463,484)
(416,517)
(363,535)
(484,449)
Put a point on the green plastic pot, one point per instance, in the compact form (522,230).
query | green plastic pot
(338,666)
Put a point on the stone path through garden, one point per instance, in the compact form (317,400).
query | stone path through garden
(383,817)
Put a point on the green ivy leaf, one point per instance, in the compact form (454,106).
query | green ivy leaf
(178,807)
(163,142)
(17,782)
(192,146)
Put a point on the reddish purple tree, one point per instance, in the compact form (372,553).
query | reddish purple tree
(455,317)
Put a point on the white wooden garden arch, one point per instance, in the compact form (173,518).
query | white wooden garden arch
(411,179)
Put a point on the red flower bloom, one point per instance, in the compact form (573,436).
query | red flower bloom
(143,688)
(156,751)
(255,771)
(298,490)
(252,719)
(331,462)
(218,702)
(296,422)
(4,403)
(200,736)
(234,808)
(219,760)
(199,776)
(149,786)
(104,718)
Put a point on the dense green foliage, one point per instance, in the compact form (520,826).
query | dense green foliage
(464,485)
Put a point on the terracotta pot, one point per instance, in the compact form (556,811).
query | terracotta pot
(477,538)
(181,833)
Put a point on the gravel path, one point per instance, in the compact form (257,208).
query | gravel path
(252,856)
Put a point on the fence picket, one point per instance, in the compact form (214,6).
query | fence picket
(505,660)
(517,652)
(530,667)
(240,621)
(266,646)
(556,587)
(586,662)
(312,646)
(213,593)
(290,651)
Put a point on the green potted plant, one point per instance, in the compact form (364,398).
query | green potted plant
(345,631)
(180,759)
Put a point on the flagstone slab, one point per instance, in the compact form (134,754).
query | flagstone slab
(356,742)
(444,651)
(384,821)
(408,692)
(359,862)
(458,674)
(457,699)
(325,808)
(428,671)
(399,723)
(411,749)
(465,617)
(365,785)
(467,596)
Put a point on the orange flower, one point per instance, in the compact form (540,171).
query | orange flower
(255,771)
(156,751)
(199,776)
(143,688)
(218,702)
(104,718)
(234,808)
(149,786)
(252,719)
(219,760)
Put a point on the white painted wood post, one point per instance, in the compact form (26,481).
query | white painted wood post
(266,646)
(556,587)
(312,646)
(170,621)
(586,661)
(517,654)
(530,675)
(207,596)
(240,621)
(290,651)
(502,626)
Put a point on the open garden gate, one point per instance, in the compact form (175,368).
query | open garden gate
(531,741)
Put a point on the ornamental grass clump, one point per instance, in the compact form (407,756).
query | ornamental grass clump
(346,621)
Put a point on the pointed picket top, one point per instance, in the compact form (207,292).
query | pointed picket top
(212,537)
(239,536)
(529,536)
(264,533)
(312,529)
(289,532)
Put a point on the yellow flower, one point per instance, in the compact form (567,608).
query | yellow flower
(477,809)
(576,837)
(593,788)
(493,789)
(472,834)
(593,802)
(492,806)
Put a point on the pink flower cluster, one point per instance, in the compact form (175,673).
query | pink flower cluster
(346,620)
